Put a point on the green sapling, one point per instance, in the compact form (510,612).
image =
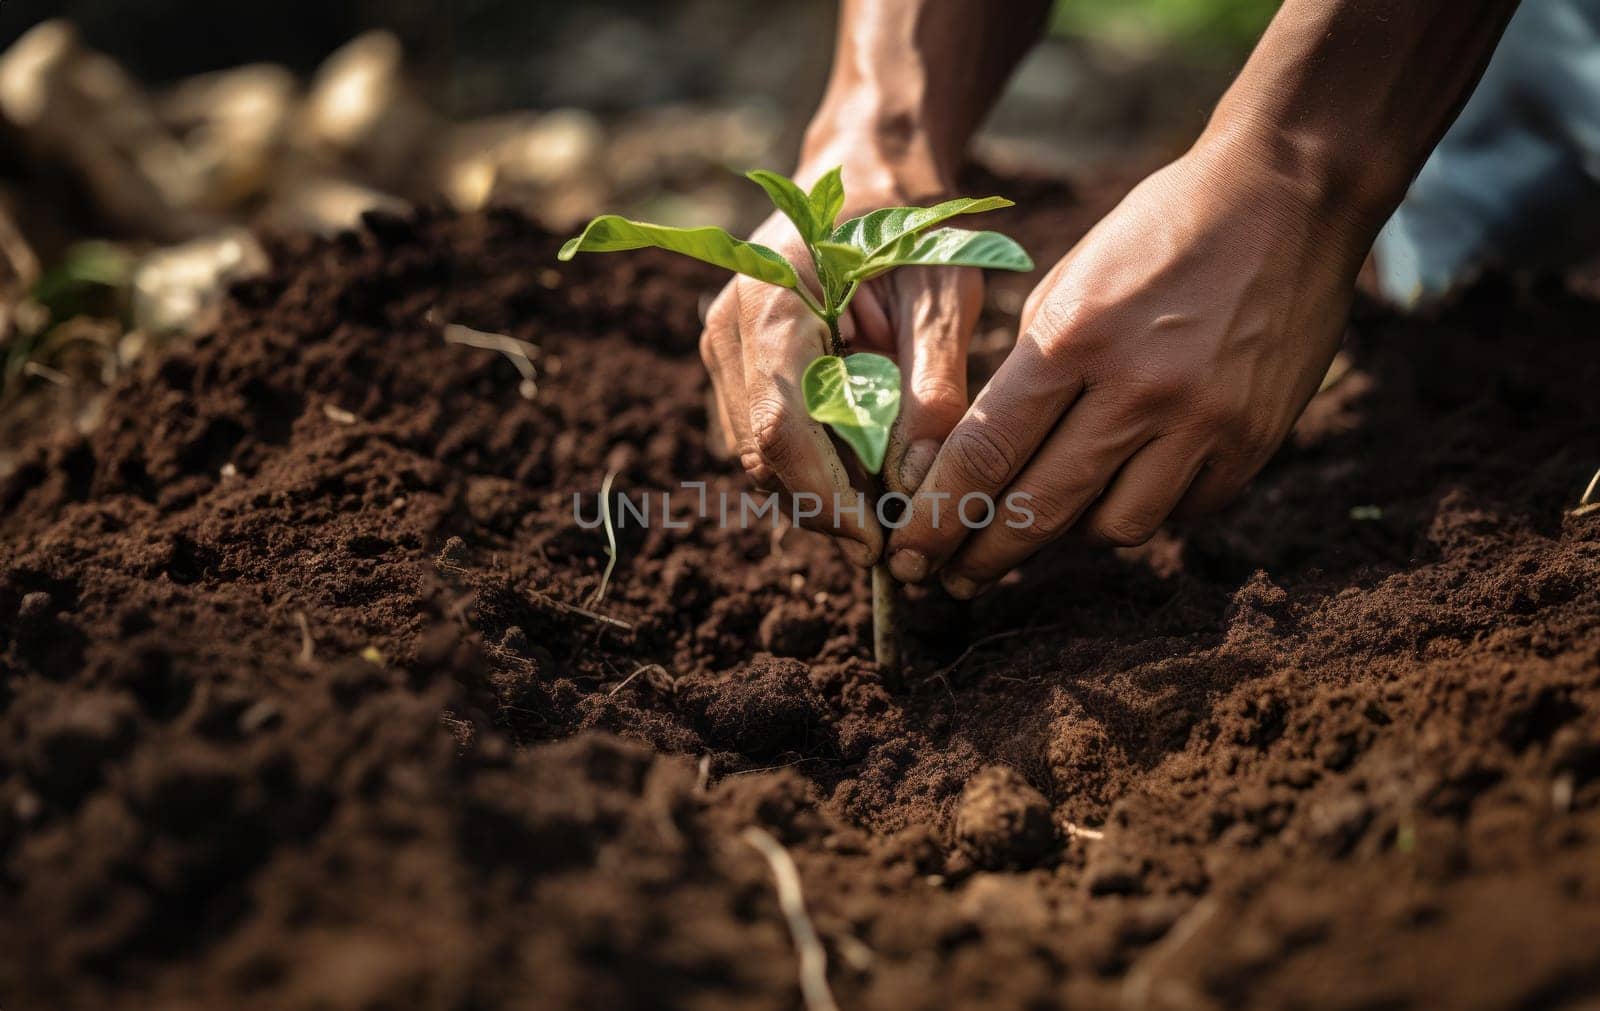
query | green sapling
(856,395)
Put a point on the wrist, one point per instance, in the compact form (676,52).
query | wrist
(889,156)
(1351,187)
(1303,182)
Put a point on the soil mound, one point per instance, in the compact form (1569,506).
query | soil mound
(299,712)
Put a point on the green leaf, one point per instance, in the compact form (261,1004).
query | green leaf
(875,232)
(948,247)
(827,200)
(790,199)
(836,259)
(859,398)
(610,233)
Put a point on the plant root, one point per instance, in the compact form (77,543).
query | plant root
(813,957)
(1589,502)
(308,648)
(519,352)
(996,637)
(656,676)
(544,600)
(582,612)
(1076,831)
(611,540)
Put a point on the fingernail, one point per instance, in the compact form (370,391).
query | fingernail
(909,566)
(960,587)
(914,466)
(857,552)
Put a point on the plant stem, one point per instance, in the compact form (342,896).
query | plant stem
(835,339)
(885,612)
(885,623)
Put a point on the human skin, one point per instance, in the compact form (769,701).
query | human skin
(910,82)
(1160,362)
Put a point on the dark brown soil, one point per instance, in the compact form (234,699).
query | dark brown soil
(295,715)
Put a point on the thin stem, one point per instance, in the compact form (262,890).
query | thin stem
(835,339)
(811,302)
(849,293)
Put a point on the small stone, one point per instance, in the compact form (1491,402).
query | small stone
(35,607)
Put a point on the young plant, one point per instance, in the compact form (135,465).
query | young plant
(857,395)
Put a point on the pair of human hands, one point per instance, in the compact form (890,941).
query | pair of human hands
(1157,366)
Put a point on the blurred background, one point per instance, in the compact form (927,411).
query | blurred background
(144,147)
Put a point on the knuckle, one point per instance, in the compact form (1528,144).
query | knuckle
(1051,518)
(981,456)
(772,429)
(940,400)
(756,469)
(1162,387)
(1123,529)
(1064,333)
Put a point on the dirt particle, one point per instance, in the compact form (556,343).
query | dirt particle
(759,711)
(1111,871)
(454,552)
(70,743)
(35,607)
(793,629)
(1003,822)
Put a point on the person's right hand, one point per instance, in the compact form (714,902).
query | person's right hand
(759,338)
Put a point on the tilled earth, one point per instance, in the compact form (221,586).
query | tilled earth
(297,712)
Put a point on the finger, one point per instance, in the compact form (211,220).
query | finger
(1075,466)
(999,433)
(933,330)
(780,339)
(866,324)
(724,362)
(1145,492)
(1218,483)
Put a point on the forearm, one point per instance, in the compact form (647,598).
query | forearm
(911,81)
(1350,96)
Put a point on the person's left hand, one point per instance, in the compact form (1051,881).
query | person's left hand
(1159,365)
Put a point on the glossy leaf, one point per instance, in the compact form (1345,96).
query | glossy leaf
(790,199)
(837,261)
(873,233)
(610,233)
(859,398)
(948,247)
(827,200)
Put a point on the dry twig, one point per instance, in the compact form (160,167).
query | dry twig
(813,957)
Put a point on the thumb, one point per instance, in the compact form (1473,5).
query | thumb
(933,319)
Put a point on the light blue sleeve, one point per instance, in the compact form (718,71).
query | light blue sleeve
(1516,180)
